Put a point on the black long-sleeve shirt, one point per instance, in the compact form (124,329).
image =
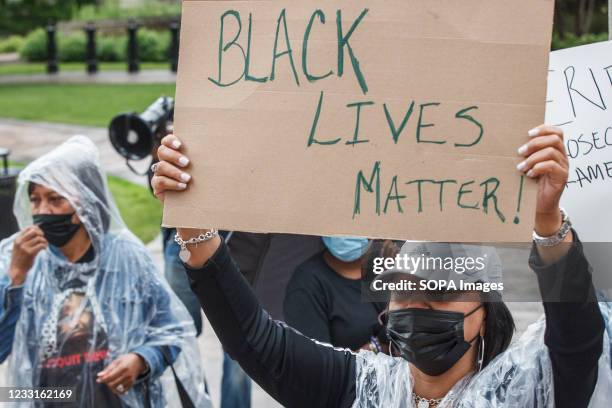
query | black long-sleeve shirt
(299,372)
(574,325)
(325,306)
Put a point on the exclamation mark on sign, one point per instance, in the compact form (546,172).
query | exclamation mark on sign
(518,206)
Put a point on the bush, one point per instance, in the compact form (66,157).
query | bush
(22,16)
(112,10)
(570,40)
(72,48)
(34,47)
(110,49)
(11,44)
(152,46)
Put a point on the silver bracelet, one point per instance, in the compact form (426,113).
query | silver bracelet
(184,254)
(559,236)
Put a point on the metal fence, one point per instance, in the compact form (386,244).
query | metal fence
(91,59)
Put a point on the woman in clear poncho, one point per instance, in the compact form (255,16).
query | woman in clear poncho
(81,302)
(439,356)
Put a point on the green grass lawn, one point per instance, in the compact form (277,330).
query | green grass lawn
(93,105)
(41,68)
(139,209)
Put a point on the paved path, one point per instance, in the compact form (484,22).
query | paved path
(29,140)
(9,57)
(148,76)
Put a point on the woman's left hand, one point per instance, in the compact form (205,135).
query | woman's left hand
(121,374)
(546,160)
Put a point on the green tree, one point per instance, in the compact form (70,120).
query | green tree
(580,17)
(21,16)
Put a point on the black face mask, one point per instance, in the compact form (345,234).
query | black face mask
(432,340)
(58,228)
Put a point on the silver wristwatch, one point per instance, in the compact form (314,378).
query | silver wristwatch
(559,236)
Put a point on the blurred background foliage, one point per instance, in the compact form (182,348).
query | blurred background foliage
(22,16)
(153,46)
(114,10)
(577,22)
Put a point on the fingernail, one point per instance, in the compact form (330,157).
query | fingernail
(530,173)
(182,186)
(185,177)
(183,161)
(521,166)
(533,132)
(522,150)
(176,144)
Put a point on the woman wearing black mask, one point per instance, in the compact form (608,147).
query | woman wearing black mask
(81,304)
(558,368)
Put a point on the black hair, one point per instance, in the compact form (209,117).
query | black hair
(499,327)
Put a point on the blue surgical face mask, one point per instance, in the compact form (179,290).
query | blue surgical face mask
(346,249)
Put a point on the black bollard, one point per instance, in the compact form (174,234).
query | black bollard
(8,187)
(90,55)
(52,67)
(132,47)
(174,45)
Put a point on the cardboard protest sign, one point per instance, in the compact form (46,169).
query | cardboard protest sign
(580,102)
(373,118)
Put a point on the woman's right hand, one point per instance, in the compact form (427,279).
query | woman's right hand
(27,245)
(170,174)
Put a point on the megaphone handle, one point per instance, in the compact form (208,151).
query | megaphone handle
(127,162)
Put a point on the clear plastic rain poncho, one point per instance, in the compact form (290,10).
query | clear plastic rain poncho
(519,377)
(76,318)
